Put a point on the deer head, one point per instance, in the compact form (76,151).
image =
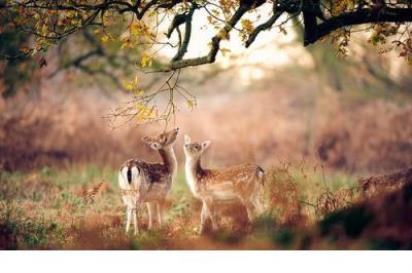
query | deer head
(161,141)
(194,150)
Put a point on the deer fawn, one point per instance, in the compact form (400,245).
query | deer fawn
(242,182)
(147,182)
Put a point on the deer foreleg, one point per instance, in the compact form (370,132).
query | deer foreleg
(203,217)
(205,214)
(250,209)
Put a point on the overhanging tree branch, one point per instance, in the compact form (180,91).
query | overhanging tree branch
(188,31)
(314,32)
(265,26)
(320,18)
(215,43)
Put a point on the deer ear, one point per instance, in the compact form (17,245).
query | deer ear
(187,139)
(205,144)
(146,139)
(155,146)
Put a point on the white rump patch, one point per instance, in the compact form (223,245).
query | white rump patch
(135,174)
(123,179)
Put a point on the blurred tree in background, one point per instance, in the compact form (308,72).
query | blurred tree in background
(16,67)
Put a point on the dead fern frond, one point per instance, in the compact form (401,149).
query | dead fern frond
(328,201)
(89,194)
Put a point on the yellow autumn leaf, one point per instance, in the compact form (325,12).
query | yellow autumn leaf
(144,112)
(223,34)
(138,92)
(247,25)
(225,51)
(191,103)
(132,85)
(128,86)
(126,43)
(44,30)
(146,60)
(104,39)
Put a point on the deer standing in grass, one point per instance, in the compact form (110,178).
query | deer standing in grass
(241,182)
(146,182)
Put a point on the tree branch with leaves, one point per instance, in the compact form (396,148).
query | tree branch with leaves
(148,26)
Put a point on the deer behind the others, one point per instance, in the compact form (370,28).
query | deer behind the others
(241,182)
(146,182)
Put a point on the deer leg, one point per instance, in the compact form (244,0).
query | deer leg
(207,213)
(249,209)
(260,200)
(203,217)
(159,213)
(128,216)
(212,217)
(150,214)
(136,228)
(257,203)
(136,211)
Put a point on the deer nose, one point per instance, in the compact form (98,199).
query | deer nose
(177,129)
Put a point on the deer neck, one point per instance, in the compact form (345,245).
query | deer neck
(169,159)
(194,170)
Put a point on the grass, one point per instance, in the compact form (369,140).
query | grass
(45,209)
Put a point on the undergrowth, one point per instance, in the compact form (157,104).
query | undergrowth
(51,209)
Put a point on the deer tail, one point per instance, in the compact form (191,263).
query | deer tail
(260,175)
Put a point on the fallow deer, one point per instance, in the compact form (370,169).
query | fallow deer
(243,182)
(145,182)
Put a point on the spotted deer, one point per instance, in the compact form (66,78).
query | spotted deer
(146,182)
(243,182)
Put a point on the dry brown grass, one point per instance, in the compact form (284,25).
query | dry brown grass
(328,202)
(45,133)
(285,197)
(73,209)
